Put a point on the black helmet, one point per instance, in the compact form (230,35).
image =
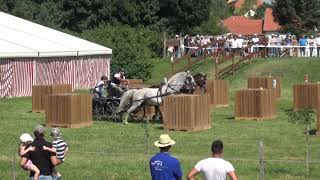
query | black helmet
(104,77)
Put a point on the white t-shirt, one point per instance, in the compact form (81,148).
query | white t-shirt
(233,43)
(317,41)
(100,87)
(255,39)
(118,75)
(239,43)
(214,168)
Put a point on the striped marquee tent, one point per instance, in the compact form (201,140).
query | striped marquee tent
(31,54)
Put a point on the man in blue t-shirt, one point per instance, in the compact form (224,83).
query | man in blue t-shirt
(162,165)
(303,42)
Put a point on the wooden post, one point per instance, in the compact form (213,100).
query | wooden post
(205,56)
(172,68)
(216,67)
(261,160)
(232,64)
(164,45)
(265,49)
(148,141)
(13,166)
(308,153)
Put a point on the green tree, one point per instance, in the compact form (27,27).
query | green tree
(7,5)
(302,15)
(182,16)
(219,9)
(303,117)
(132,47)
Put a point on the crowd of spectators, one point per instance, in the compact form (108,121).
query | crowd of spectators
(277,45)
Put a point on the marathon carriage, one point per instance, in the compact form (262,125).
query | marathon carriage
(114,105)
(104,107)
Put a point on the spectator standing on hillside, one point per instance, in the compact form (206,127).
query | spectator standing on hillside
(233,44)
(187,41)
(239,42)
(214,168)
(303,43)
(288,42)
(163,166)
(39,157)
(312,44)
(295,43)
(317,44)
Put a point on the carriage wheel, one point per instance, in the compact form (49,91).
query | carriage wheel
(111,108)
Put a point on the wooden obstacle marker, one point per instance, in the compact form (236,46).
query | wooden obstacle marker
(40,93)
(306,95)
(135,83)
(186,112)
(266,83)
(256,104)
(218,91)
(69,110)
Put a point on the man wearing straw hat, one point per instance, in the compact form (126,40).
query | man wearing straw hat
(163,166)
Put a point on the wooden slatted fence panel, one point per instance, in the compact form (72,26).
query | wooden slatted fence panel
(218,91)
(306,96)
(256,104)
(266,83)
(186,112)
(69,110)
(135,84)
(40,93)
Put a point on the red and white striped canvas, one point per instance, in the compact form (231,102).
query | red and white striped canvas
(18,75)
(6,71)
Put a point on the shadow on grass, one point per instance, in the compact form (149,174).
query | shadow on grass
(230,118)
(313,132)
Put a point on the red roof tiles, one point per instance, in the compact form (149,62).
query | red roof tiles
(238,3)
(243,25)
(269,23)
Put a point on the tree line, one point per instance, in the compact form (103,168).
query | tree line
(132,28)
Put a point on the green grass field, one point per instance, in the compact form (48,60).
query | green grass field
(114,151)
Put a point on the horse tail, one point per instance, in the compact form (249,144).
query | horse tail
(126,98)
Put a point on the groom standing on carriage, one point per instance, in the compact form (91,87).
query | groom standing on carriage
(119,81)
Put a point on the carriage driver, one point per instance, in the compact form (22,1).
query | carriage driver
(119,81)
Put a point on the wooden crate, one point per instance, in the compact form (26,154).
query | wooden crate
(135,84)
(306,96)
(40,93)
(266,83)
(255,104)
(69,110)
(218,91)
(186,112)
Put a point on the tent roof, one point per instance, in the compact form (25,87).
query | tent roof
(22,38)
